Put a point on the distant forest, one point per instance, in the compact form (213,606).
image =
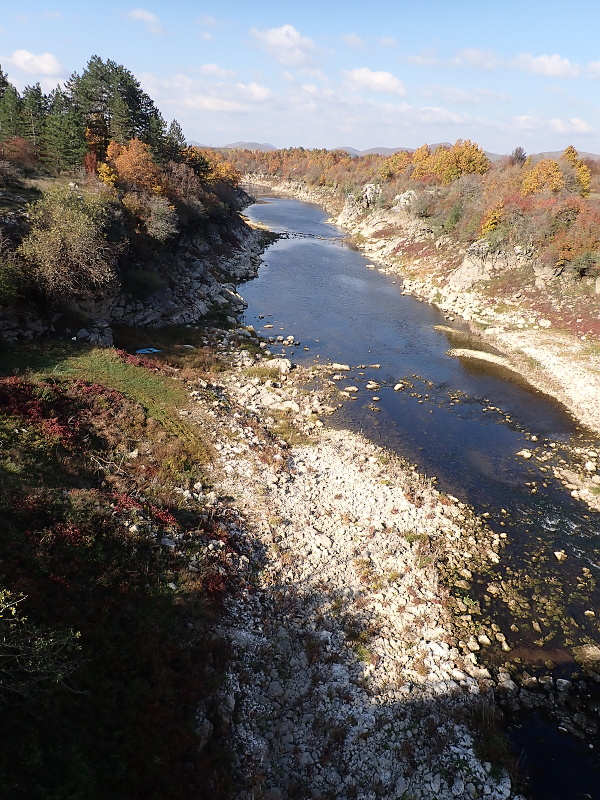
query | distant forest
(549,205)
(142,184)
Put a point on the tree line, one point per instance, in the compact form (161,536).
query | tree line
(56,131)
(550,205)
(139,184)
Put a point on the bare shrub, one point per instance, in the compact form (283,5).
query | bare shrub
(157,216)
(67,246)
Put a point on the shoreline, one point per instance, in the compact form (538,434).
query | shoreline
(553,361)
(545,356)
(342,645)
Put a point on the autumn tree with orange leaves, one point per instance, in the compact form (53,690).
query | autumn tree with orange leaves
(134,165)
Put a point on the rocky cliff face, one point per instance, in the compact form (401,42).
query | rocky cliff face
(202,278)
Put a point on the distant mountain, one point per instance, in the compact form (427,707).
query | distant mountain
(386,151)
(558,153)
(379,151)
(350,150)
(494,156)
(265,147)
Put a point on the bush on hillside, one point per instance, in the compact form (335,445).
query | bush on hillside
(12,273)
(68,246)
(158,218)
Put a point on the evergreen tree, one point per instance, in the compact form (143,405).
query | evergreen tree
(64,142)
(10,113)
(114,105)
(175,142)
(155,136)
(33,112)
(4,84)
(121,126)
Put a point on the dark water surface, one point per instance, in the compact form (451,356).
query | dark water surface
(462,423)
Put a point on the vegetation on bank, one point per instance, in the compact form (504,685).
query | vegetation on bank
(95,189)
(551,206)
(109,589)
(105,626)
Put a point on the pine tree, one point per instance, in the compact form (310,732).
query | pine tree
(175,142)
(10,113)
(155,136)
(111,99)
(121,126)
(64,143)
(33,112)
(4,84)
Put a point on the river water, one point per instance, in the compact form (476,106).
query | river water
(463,424)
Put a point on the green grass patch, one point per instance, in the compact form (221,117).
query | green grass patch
(285,429)
(263,373)
(107,707)
(181,348)
(161,396)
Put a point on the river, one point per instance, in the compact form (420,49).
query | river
(465,425)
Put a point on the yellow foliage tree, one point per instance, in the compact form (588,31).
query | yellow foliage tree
(584,178)
(421,158)
(463,158)
(136,166)
(582,171)
(106,174)
(447,164)
(395,165)
(544,176)
(571,155)
(491,219)
(113,151)
(223,172)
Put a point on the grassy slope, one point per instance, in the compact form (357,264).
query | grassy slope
(93,448)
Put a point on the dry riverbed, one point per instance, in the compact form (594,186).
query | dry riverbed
(345,677)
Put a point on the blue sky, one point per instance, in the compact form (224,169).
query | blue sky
(328,74)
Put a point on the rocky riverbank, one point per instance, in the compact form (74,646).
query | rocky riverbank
(546,329)
(345,678)
(199,278)
(560,360)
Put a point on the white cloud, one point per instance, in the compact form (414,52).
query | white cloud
(52,14)
(458,96)
(42,64)
(151,21)
(478,59)
(217,72)
(365,78)
(425,58)
(570,126)
(310,72)
(388,41)
(354,41)
(438,115)
(207,21)
(552,66)
(593,68)
(183,93)
(286,45)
